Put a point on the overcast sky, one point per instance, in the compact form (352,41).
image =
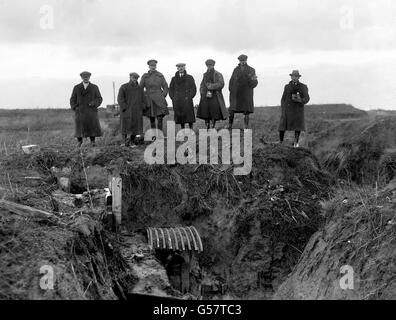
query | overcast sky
(345,49)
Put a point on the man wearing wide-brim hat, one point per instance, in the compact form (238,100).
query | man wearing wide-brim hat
(132,102)
(85,101)
(182,91)
(295,96)
(241,85)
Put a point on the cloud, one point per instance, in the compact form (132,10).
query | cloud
(224,25)
(337,42)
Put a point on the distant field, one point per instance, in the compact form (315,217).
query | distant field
(55,127)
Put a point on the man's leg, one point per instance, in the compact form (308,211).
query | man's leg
(92,141)
(213,124)
(152,122)
(297,138)
(207,122)
(160,122)
(132,141)
(80,141)
(281,136)
(183,125)
(246,120)
(191,125)
(231,119)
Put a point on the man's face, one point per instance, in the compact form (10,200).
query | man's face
(152,67)
(295,78)
(181,69)
(85,78)
(210,67)
(133,79)
(243,62)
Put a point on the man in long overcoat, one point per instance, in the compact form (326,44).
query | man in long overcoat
(212,106)
(132,102)
(182,91)
(241,85)
(84,101)
(156,89)
(295,96)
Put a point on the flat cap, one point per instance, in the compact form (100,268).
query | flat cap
(243,57)
(152,62)
(85,73)
(181,64)
(134,74)
(210,62)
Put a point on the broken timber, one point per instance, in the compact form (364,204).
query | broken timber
(116,191)
(25,211)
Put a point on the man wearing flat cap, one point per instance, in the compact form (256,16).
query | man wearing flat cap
(182,91)
(156,90)
(295,96)
(241,85)
(132,102)
(85,101)
(212,106)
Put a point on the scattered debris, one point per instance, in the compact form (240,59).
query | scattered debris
(30,149)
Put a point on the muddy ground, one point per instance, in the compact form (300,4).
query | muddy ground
(282,232)
(253,228)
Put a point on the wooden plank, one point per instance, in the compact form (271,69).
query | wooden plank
(23,210)
(116,191)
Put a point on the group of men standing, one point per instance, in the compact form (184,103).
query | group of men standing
(148,98)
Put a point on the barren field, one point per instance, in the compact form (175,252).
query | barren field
(285,231)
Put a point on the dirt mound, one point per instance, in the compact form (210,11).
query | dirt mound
(360,233)
(354,150)
(334,111)
(81,259)
(253,227)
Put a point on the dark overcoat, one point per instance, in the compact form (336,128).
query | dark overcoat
(156,89)
(241,85)
(182,91)
(85,103)
(292,112)
(132,102)
(216,87)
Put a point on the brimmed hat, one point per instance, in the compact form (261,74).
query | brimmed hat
(85,73)
(210,62)
(134,74)
(295,73)
(181,64)
(243,57)
(152,62)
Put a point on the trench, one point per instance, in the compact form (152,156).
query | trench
(253,228)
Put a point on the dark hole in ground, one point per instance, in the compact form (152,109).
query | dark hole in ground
(179,266)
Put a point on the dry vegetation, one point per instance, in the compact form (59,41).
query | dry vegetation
(337,196)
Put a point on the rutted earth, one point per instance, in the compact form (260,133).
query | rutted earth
(256,230)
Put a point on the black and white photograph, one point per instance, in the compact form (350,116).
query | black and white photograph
(189,156)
